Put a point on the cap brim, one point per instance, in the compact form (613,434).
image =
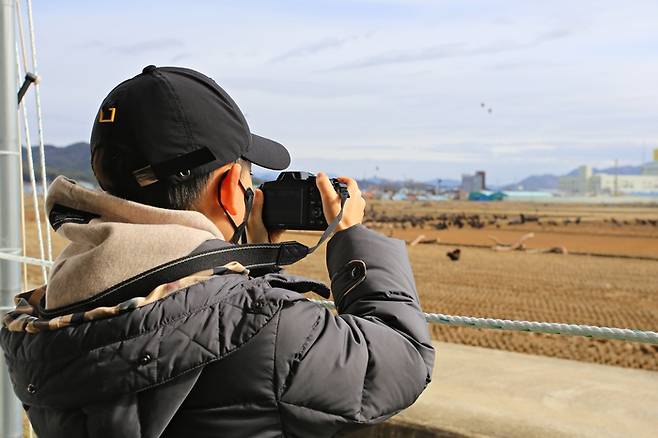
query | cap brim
(267,153)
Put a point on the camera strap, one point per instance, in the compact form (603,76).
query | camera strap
(334,223)
(253,256)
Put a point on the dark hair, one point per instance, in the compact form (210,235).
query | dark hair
(184,195)
(113,170)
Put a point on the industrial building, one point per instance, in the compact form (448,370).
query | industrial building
(474,183)
(652,167)
(588,183)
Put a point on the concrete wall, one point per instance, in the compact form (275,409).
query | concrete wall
(479,392)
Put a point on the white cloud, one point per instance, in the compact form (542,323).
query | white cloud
(522,149)
(568,82)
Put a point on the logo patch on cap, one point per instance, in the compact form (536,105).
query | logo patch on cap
(107,117)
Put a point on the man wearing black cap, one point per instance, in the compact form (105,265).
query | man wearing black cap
(133,336)
(161,136)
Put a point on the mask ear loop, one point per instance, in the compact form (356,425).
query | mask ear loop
(238,230)
(248,203)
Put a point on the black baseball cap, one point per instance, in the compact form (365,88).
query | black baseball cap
(176,123)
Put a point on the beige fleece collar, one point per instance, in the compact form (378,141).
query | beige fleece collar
(126,239)
(67,192)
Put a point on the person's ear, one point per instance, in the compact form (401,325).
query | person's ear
(230,191)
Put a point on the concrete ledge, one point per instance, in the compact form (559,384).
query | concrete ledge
(478,392)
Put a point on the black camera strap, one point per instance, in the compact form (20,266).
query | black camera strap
(252,256)
(334,223)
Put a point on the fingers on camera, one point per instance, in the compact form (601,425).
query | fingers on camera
(257,206)
(352,186)
(326,188)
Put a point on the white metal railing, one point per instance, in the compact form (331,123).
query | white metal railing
(14,65)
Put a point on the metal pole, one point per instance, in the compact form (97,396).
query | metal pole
(11,413)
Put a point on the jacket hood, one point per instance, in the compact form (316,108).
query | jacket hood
(112,239)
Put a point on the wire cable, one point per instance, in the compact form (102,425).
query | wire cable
(590,331)
(42,152)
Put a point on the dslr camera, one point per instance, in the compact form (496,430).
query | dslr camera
(293,202)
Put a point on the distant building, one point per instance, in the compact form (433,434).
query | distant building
(652,167)
(577,184)
(526,195)
(474,183)
(508,195)
(587,183)
(486,196)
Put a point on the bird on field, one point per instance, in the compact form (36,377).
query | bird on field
(454,254)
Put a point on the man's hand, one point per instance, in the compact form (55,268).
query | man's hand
(256,231)
(354,207)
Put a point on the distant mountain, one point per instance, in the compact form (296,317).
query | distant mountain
(394,185)
(445,183)
(73,161)
(535,182)
(550,182)
(621,170)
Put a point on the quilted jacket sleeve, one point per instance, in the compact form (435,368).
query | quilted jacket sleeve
(368,362)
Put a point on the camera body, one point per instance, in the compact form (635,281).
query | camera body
(293,202)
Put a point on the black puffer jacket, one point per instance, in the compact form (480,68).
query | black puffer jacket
(237,356)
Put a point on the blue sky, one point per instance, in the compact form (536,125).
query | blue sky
(352,86)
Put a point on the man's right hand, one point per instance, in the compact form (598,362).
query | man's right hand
(354,207)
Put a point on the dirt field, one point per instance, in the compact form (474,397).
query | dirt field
(590,229)
(616,286)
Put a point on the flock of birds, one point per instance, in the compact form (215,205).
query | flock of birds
(444,221)
(638,221)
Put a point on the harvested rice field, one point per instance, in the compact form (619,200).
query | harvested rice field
(583,264)
(605,274)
